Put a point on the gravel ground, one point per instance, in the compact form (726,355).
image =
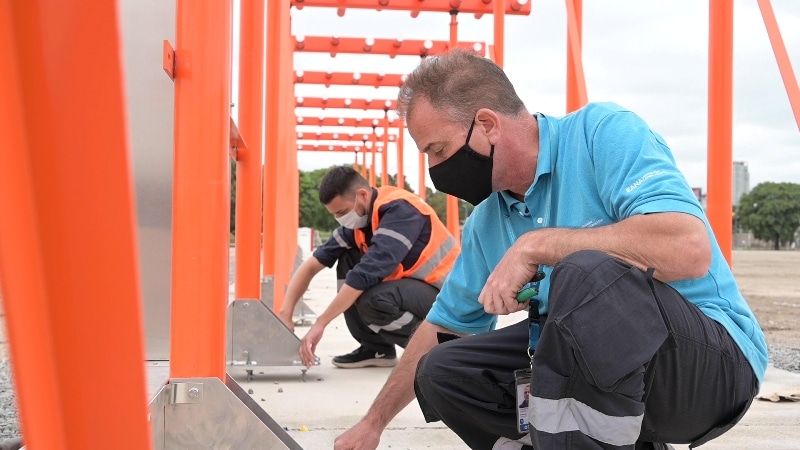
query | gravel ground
(785,358)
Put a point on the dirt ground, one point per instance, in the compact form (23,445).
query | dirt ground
(770,281)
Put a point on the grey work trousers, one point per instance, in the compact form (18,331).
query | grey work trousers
(388,313)
(625,368)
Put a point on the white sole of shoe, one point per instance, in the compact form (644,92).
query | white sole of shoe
(374,362)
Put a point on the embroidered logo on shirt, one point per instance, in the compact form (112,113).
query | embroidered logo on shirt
(642,180)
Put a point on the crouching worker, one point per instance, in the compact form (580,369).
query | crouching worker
(642,339)
(392,254)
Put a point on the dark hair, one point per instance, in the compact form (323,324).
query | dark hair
(459,83)
(341,180)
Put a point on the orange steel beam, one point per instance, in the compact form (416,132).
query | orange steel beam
(576,82)
(499,31)
(373,151)
(391,47)
(349,79)
(385,154)
(720,122)
(453,222)
(201,205)
(339,122)
(248,164)
(782,57)
(68,252)
(477,7)
(400,175)
(345,103)
(278,26)
(352,147)
(351,136)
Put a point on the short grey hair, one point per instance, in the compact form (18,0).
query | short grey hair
(459,83)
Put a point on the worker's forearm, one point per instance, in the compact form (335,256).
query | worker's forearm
(299,284)
(398,391)
(344,299)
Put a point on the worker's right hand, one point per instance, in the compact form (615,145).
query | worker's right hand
(362,436)
(287,319)
(308,345)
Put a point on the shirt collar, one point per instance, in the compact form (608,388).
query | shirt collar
(548,144)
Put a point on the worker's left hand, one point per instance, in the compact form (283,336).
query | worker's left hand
(308,345)
(499,294)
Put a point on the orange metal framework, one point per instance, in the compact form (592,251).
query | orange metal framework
(201,192)
(345,103)
(785,66)
(477,7)
(344,136)
(391,47)
(68,252)
(248,161)
(349,79)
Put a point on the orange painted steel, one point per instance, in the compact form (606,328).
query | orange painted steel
(720,123)
(423,190)
(278,23)
(201,193)
(338,122)
(68,253)
(349,79)
(345,103)
(373,151)
(401,182)
(499,31)
(782,57)
(477,7)
(453,221)
(385,153)
(363,164)
(248,161)
(285,204)
(392,47)
(342,136)
(350,147)
(577,96)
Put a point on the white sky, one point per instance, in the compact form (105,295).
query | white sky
(649,56)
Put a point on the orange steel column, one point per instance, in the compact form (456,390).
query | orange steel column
(453,221)
(720,122)
(277,34)
(385,152)
(499,30)
(364,163)
(576,83)
(784,64)
(423,191)
(248,161)
(373,162)
(401,181)
(201,206)
(355,162)
(68,252)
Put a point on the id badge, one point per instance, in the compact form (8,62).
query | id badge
(522,379)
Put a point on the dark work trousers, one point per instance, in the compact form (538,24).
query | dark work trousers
(386,314)
(616,367)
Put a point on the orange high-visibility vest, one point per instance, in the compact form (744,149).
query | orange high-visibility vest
(436,259)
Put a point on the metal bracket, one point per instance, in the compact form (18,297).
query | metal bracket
(168,60)
(185,393)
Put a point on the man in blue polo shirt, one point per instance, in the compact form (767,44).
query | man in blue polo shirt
(639,335)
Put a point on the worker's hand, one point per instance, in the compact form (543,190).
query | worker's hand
(308,345)
(286,318)
(499,294)
(362,436)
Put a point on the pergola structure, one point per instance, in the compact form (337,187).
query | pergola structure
(68,232)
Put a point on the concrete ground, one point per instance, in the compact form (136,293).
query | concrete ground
(330,400)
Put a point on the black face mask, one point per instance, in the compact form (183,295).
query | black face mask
(466,174)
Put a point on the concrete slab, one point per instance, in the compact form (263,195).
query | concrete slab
(332,399)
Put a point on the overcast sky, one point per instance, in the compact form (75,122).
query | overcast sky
(649,56)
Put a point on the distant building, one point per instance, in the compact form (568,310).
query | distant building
(701,197)
(741,181)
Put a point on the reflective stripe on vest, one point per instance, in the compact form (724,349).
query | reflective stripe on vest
(436,259)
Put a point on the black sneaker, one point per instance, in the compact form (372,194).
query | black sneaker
(364,357)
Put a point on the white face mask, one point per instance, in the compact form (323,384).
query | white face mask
(352,220)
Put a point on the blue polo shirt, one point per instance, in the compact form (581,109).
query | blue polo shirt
(596,166)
